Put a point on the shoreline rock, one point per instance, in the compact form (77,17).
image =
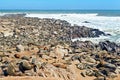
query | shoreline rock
(43,47)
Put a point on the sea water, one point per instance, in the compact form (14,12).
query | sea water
(104,20)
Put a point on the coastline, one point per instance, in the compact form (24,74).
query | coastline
(48,41)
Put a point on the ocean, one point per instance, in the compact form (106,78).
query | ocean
(104,20)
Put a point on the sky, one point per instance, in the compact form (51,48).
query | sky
(59,4)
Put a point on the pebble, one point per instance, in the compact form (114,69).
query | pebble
(19,48)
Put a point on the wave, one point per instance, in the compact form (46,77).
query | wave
(110,25)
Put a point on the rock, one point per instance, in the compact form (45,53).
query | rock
(45,57)
(29,73)
(86,22)
(25,65)
(33,60)
(17,56)
(81,66)
(81,45)
(89,59)
(14,15)
(109,65)
(77,50)
(52,52)
(60,65)
(38,65)
(89,72)
(117,71)
(98,73)
(1,72)
(100,78)
(109,46)
(83,74)
(82,31)
(97,33)
(75,62)
(75,57)
(59,52)
(106,65)
(11,69)
(25,58)
(7,33)
(112,75)
(19,48)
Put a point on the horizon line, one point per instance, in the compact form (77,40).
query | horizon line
(58,9)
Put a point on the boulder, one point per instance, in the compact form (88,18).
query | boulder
(59,52)
(25,65)
(11,69)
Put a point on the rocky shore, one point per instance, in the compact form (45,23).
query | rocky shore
(44,48)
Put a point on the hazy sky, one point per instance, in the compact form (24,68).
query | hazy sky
(59,4)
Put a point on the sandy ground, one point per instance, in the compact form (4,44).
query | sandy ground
(40,78)
(28,78)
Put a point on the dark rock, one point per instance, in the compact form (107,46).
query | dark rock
(82,31)
(25,58)
(17,56)
(86,22)
(100,78)
(109,46)
(25,65)
(81,44)
(75,57)
(14,15)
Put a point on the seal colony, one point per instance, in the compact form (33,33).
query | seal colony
(44,48)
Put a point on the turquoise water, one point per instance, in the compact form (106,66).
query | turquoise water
(99,12)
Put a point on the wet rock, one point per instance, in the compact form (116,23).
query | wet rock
(86,22)
(82,31)
(97,33)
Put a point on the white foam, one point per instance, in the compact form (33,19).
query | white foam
(109,25)
(1,14)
